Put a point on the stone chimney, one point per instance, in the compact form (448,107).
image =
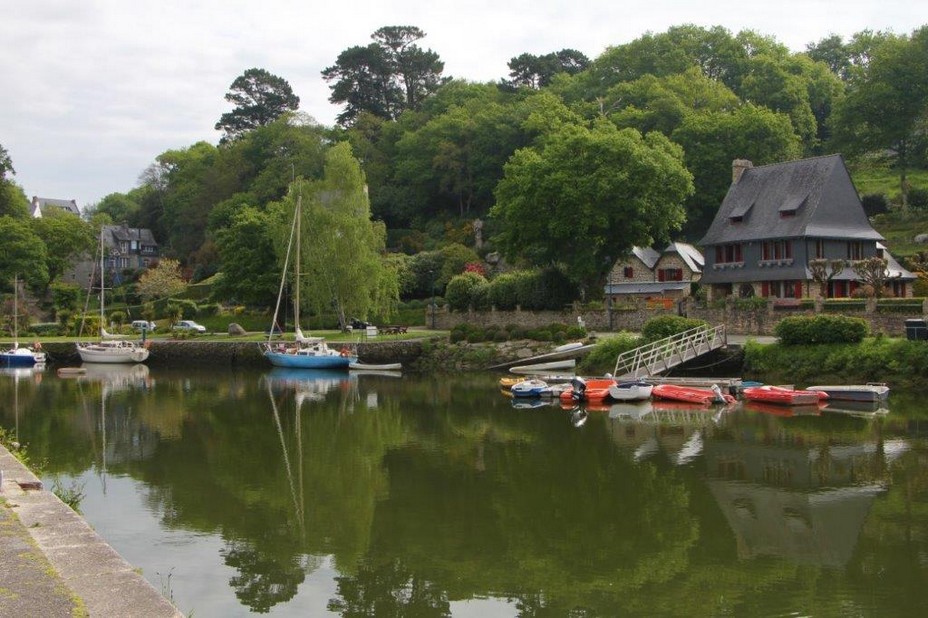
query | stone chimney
(737,168)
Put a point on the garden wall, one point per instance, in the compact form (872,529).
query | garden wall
(885,319)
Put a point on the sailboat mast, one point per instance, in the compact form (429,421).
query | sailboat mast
(296,266)
(101,281)
(15,312)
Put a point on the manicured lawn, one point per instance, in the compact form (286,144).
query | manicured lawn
(330,335)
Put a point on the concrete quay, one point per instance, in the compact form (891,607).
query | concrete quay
(53,564)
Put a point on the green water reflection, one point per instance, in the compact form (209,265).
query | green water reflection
(375,495)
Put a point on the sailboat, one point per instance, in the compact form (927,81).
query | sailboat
(109,349)
(20,356)
(306,352)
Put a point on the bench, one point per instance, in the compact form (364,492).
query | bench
(394,330)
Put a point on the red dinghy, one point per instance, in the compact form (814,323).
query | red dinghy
(593,389)
(783,396)
(691,394)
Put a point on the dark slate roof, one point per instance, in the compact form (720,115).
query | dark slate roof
(121,232)
(68,205)
(818,192)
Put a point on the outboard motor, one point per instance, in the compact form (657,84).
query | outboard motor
(579,386)
(719,397)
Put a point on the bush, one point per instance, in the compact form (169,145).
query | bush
(667,326)
(460,291)
(806,330)
(918,198)
(503,291)
(47,329)
(601,359)
(874,204)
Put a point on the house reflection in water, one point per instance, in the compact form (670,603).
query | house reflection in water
(794,493)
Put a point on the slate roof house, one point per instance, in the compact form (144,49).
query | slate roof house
(42,205)
(776,218)
(126,249)
(649,274)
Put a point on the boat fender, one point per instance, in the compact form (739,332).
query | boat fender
(37,345)
(719,397)
(345,352)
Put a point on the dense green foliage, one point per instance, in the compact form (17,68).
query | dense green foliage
(601,359)
(822,328)
(566,164)
(880,359)
(667,326)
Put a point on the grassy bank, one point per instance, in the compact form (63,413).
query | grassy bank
(898,362)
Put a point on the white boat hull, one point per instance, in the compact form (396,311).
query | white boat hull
(542,367)
(112,354)
(854,392)
(370,367)
(633,392)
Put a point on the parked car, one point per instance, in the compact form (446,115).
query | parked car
(141,325)
(357,324)
(190,326)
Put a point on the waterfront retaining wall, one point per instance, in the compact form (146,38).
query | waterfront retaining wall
(632,317)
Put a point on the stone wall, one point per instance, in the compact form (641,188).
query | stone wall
(632,316)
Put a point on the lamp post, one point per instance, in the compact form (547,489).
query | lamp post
(432,305)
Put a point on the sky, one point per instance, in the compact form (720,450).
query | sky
(92,91)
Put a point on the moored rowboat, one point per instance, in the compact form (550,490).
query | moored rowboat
(691,394)
(854,392)
(783,396)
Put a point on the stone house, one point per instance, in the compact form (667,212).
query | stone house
(651,275)
(126,250)
(776,218)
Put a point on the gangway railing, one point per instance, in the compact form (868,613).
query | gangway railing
(659,356)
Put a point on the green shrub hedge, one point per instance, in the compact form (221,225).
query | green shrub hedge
(667,326)
(822,328)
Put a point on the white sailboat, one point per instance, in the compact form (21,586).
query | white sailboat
(306,352)
(20,356)
(110,349)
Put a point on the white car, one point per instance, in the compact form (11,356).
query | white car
(141,325)
(190,325)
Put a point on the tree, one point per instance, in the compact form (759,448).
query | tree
(823,271)
(885,110)
(872,272)
(6,164)
(259,98)
(24,253)
(341,247)
(537,71)
(66,236)
(385,77)
(584,196)
(13,201)
(120,208)
(249,268)
(712,140)
(161,281)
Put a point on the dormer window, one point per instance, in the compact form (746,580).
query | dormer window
(740,212)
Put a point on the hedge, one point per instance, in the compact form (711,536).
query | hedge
(822,328)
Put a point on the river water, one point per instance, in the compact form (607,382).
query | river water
(312,494)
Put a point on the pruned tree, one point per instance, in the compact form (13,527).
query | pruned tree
(823,271)
(872,272)
(259,98)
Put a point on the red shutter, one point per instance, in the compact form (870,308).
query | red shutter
(799,289)
(679,274)
(789,249)
(765,289)
(738,253)
(719,257)
(660,274)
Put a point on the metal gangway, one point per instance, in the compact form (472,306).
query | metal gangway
(659,356)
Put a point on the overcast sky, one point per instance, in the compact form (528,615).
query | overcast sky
(91,91)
